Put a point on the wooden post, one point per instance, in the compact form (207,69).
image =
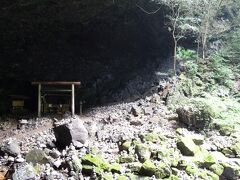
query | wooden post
(39,99)
(73,100)
(81,104)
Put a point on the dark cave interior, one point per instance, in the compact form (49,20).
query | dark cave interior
(108,43)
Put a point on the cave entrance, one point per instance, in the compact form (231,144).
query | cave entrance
(49,90)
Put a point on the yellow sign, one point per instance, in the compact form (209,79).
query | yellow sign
(18,103)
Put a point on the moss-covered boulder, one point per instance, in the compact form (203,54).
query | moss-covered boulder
(125,146)
(142,152)
(170,156)
(95,160)
(99,163)
(150,137)
(135,167)
(226,130)
(204,159)
(236,149)
(192,169)
(217,169)
(187,146)
(107,176)
(228,152)
(127,158)
(148,168)
(159,171)
(122,177)
(36,156)
(198,113)
(89,170)
(115,168)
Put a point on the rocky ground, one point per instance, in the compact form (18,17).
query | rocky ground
(137,140)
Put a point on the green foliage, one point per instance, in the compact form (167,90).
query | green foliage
(186,54)
(192,68)
(221,70)
(233,47)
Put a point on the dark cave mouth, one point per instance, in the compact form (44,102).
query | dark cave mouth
(113,49)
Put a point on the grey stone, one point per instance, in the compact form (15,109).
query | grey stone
(37,156)
(11,147)
(24,171)
(148,111)
(75,133)
(55,153)
(187,146)
(143,152)
(136,110)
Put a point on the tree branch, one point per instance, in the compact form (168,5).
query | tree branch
(147,12)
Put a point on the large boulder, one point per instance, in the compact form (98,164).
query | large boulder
(74,133)
(197,114)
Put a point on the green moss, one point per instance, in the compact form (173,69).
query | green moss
(107,177)
(217,169)
(100,163)
(127,159)
(143,152)
(212,176)
(126,145)
(148,168)
(226,130)
(122,177)
(191,170)
(160,171)
(172,177)
(135,167)
(151,137)
(236,149)
(95,160)
(204,159)
(89,170)
(115,168)
(187,146)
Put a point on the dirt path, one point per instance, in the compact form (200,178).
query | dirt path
(9,133)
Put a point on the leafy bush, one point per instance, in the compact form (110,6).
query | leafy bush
(221,70)
(232,51)
(191,68)
(185,54)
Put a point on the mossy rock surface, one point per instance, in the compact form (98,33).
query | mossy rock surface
(37,156)
(125,146)
(226,130)
(127,159)
(160,171)
(142,152)
(150,137)
(217,169)
(135,167)
(187,146)
(100,164)
(236,149)
(204,159)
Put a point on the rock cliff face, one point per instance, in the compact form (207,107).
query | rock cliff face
(107,42)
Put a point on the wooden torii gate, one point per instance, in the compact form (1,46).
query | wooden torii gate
(72,85)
